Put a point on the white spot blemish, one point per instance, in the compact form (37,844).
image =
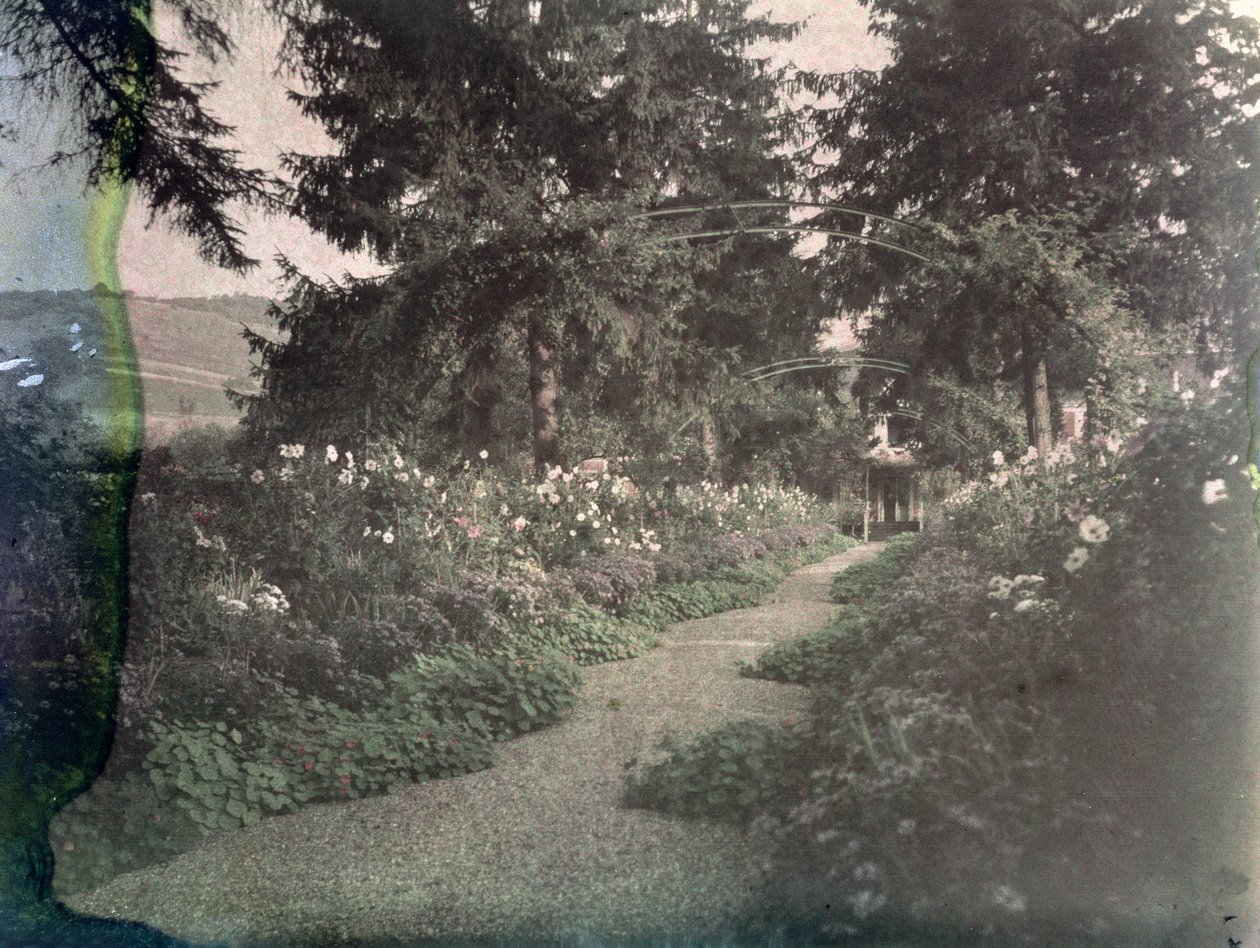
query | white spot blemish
(12,364)
(30,380)
(77,346)
(75,327)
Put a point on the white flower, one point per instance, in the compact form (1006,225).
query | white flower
(402,476)
(430,481)
(292,451)
(286,473)
(581,517)
(349,460)
(330,454)
(1029,456)
(1217,377)
(148,497)
(572,533)
(998,459)
(258,477)
(1024,605)
(1187,395)
(345,477)
(566,477)
(1214,491)
(367,531)
(387,537)
(483,454)
(519,524)
(654,547)
(1000,587)
(1076,559)
(398,462)
(1094,529)
(370,466)
(1024,581)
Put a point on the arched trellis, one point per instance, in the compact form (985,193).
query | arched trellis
(804,227)
(771,369)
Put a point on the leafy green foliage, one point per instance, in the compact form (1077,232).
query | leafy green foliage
(497,696)
(729,773)
(829,654)
(871,582)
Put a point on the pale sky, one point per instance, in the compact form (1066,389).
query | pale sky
(42,213)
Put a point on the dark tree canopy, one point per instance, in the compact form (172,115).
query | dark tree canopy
(491,154)
(131,115)
(1133,118)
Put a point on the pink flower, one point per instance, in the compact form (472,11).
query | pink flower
(474,531)
(461,521)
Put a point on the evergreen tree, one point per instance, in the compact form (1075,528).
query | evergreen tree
(490,155)
(1136,117)
(130,115)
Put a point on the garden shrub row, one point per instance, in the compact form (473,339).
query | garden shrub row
(959,753)
(261,704)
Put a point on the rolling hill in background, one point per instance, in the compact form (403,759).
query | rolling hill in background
(190,350)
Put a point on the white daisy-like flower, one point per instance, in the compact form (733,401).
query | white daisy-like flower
(370,466)
(387,537)
(1094,529)
(429,481)
(998,459)
(1214,491)
(1000,587)
(483,454)
(1076,559)
(345,477)
(330,454)
(398,462)
(258,477)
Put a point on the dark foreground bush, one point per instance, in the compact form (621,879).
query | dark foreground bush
(870,582)
(832,653)
(730,773)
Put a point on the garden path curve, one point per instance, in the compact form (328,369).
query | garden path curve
(538,847)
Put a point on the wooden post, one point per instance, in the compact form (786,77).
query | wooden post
(866,507)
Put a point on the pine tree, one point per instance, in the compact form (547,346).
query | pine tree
(1136,117)
(490,155)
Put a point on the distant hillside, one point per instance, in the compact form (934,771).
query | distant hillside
(190,349)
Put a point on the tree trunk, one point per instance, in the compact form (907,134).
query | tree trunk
(1036,396)
(481,395)
(709,444)
(544,390)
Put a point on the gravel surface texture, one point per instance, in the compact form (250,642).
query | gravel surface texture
(536,849)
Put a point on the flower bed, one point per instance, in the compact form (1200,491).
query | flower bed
(335,625)
(960,754)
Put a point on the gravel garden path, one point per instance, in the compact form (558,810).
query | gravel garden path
(538,848)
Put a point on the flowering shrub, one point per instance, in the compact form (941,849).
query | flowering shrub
(329,623)
(961,750)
